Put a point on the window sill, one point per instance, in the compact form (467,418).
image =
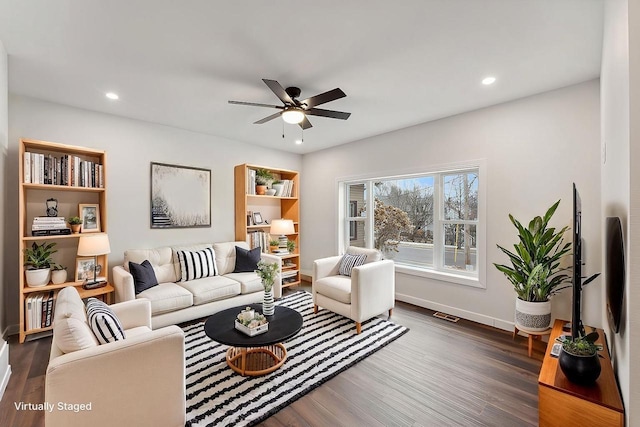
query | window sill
(440,275)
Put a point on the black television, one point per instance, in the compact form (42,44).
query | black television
(576,322)
(615,271)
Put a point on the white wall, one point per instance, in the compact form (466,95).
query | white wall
(131,145)
(620,113)
(534,149)
(5,369)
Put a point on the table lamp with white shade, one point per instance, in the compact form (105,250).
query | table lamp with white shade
(282,227)
(94,245)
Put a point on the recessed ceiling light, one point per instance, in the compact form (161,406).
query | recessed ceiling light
(488,80)
(298,141)
(112,95)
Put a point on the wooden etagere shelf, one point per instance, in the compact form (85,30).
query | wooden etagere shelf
(32,202)
(270,208)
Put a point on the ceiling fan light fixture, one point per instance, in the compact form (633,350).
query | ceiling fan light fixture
(293,115)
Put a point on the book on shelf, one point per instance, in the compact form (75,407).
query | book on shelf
(48,219)
(289,273)
(66,169)
(39,308)
(51,232)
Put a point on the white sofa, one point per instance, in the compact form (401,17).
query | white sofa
(136,381)
(175,302)
(368,292)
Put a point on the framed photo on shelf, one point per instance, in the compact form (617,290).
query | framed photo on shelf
(257,218)
(84,268)
(90,216)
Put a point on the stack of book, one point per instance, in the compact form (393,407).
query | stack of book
(49,226)
(39,310)
(280,251)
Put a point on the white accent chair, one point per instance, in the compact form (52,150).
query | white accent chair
(369,291)
(138,381)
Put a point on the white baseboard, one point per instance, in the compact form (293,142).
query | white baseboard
(5,368)
(469,315)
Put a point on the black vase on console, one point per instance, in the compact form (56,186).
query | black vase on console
(582,370)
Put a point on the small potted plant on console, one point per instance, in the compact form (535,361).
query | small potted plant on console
(579,359)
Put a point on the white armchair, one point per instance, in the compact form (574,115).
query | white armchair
(368,292)
(136,381)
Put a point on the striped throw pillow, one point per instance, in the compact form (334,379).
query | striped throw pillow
(103,321)
(197,264)
(349,261)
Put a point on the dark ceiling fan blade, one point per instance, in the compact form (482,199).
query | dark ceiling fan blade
(266,119)
(328,113)
(305,123)
(255,104)
(325,97)
(279,91)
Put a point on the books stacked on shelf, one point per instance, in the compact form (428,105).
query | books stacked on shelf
(39,310)
(287,190)
(289,280)
(289,264)
(251,181)
(280,251)
(258,239)
(288,274)
(49,226)
(65,169)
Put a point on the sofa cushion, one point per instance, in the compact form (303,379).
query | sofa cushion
(373,255)
(349,261)
(160,258)
(226,255)
(71,332)
(211,289)
(337,288)
(196,264)
(246,260)
(167,297)
(249,282)
(143,275)
(104,322)
(192,248)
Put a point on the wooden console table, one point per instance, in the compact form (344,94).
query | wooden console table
(563,403)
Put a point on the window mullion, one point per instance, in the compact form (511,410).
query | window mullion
(438,238)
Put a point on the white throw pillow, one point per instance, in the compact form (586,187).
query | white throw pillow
(104,322)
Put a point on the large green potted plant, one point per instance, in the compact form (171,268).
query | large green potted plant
(38,260)
(535,271)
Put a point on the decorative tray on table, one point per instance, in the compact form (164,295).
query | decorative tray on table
(251,323)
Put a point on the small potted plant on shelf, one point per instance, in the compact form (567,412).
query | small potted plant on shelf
(38,260)
(579,359)
(75,222)
(273,245)
(291,246)
(263,180)
(58,274)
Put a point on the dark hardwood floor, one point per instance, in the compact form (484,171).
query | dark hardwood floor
(438,374)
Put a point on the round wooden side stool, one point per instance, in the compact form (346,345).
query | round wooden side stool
(533,335)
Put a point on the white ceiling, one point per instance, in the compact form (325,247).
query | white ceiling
(400,62)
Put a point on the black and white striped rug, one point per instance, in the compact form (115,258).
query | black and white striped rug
(325,346)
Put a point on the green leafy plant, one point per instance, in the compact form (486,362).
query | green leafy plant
(75,220)
(263,177)
(39,256)
(277,181)
(535,271)
(57,267)
(267,272)
(273,243)
(291,246)
(582,345)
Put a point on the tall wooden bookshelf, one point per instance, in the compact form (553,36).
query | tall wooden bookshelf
(32,202)
(270,208)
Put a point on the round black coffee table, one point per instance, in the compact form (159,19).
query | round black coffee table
(260,354)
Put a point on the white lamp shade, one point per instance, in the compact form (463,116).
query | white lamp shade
(293,115)
(94,245)
(282,227)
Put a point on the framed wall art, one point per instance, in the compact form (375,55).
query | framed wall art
(180,196)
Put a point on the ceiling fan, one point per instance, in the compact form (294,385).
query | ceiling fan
(295,111)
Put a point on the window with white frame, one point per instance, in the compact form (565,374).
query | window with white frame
(425,222)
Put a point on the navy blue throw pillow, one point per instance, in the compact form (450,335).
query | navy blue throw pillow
(246,261)
(143,275)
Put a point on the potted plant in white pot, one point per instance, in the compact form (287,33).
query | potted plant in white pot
(58,274)
(38,259)
(535,271)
